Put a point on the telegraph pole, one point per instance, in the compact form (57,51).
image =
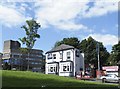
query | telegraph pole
(98,49)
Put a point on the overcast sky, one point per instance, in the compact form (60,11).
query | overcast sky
(60,19)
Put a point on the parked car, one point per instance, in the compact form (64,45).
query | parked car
(85,77)
(109,78)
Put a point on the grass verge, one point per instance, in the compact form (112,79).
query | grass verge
(38,80)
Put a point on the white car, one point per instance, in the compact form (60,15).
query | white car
(109,78)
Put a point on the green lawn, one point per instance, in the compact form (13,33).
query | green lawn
(32,79)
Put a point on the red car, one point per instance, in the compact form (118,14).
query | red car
(86,76)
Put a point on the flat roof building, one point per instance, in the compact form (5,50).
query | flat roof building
(18,58)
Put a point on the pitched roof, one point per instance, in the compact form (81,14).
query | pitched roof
(61,47)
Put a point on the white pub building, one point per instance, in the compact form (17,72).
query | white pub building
(64,60)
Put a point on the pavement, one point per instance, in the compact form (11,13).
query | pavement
(99,80)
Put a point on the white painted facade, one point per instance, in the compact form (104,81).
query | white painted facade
(65,62)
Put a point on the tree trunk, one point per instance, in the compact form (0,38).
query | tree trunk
(28,61)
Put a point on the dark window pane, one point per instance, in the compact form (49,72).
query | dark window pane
(64,68)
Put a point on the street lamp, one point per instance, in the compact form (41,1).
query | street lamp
(98,49)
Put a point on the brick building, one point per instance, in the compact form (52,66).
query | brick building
(14,58)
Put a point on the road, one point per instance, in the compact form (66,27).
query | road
(98,80)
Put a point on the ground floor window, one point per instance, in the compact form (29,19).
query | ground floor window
(52,68)
(66,67)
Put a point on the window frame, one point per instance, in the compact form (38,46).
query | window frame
(54,56)
(77,53)
(54,69)
(61,56)
(68,55)
(67,67)
(49,56)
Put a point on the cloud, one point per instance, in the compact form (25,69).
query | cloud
(70,26)
(10,17)
(101,8)
(107,39)
(62,13)
(13,13)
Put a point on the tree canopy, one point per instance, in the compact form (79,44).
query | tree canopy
(115,54)
(31,30)
(73,41)
(89,48)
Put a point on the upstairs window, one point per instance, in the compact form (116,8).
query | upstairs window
(77,53)
(54,56)
(7,55)
(49,56)
(68,55)
(61,56)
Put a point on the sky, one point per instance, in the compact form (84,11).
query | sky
(60,19)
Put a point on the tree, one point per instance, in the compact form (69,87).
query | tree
(73,41)
(115,54)
(31,30)
(23,61)
(89,48)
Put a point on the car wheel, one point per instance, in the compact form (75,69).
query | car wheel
(103,80)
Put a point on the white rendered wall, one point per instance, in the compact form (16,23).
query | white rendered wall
(78,62)
(58,56)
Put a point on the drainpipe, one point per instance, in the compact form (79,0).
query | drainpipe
(73,64)
(59,64)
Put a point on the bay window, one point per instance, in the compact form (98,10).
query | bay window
(52,68)
(66,67)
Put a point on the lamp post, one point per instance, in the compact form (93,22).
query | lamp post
(98,59)
(28,66)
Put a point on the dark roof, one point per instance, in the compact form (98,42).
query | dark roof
(61,47)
